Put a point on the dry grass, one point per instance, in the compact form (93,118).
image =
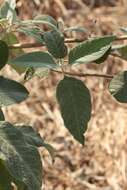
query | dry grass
(102,163)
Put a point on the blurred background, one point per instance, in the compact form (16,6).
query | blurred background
(102,163)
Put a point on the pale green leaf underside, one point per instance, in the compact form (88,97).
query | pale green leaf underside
(21,159)
(37,59)
(118,87)
(42,19)
(7,10)
(75,104)
(90,50)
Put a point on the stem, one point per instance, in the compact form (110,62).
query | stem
(73,40)
(84,74)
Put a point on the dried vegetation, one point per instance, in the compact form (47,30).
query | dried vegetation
(102,163)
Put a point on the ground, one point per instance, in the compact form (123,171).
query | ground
(101,163)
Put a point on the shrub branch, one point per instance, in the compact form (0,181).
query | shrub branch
(70,40)
(84,74)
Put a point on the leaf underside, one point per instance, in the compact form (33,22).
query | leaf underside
(118,87)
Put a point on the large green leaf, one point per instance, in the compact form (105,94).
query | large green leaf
(75,104)
(90,50)
(54,41)
(118,87)
(33,138)
(42,19)
(4,53)
(21,159)
(11,92)
(34,59)
(5,178)
(7,10)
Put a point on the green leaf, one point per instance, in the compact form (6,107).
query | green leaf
(32,32)
(11,92)
(121,49)
(46,19)
(75,29)
(104,57)
(123,52)
(33,138)
(124,29)
(2,118)
(117,46)
(54,41)
(41,73)
(90,50)
(7,10)
(5,178)
(118,87)
(10,39)
(38,72)
(75,104)
(37,59)
(4,53)
(42,19)
(21,159)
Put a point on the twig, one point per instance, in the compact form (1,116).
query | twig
(84,74)
(73,40)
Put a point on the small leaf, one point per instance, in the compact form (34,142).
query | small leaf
(4,54)
(7,10)
(75,104)
(11,92)
(41,73)
(75,29)
(42,19)
(118,87)
(123,52)
(38,72)
(117,46)
(124,29)
(51,151)
(37,59)
(90,50)
(10,39)
(21,159)
(2,118)
(55,43)
(32,32)
(46,19)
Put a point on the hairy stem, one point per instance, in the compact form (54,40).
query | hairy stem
(70,40)
(84,74)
